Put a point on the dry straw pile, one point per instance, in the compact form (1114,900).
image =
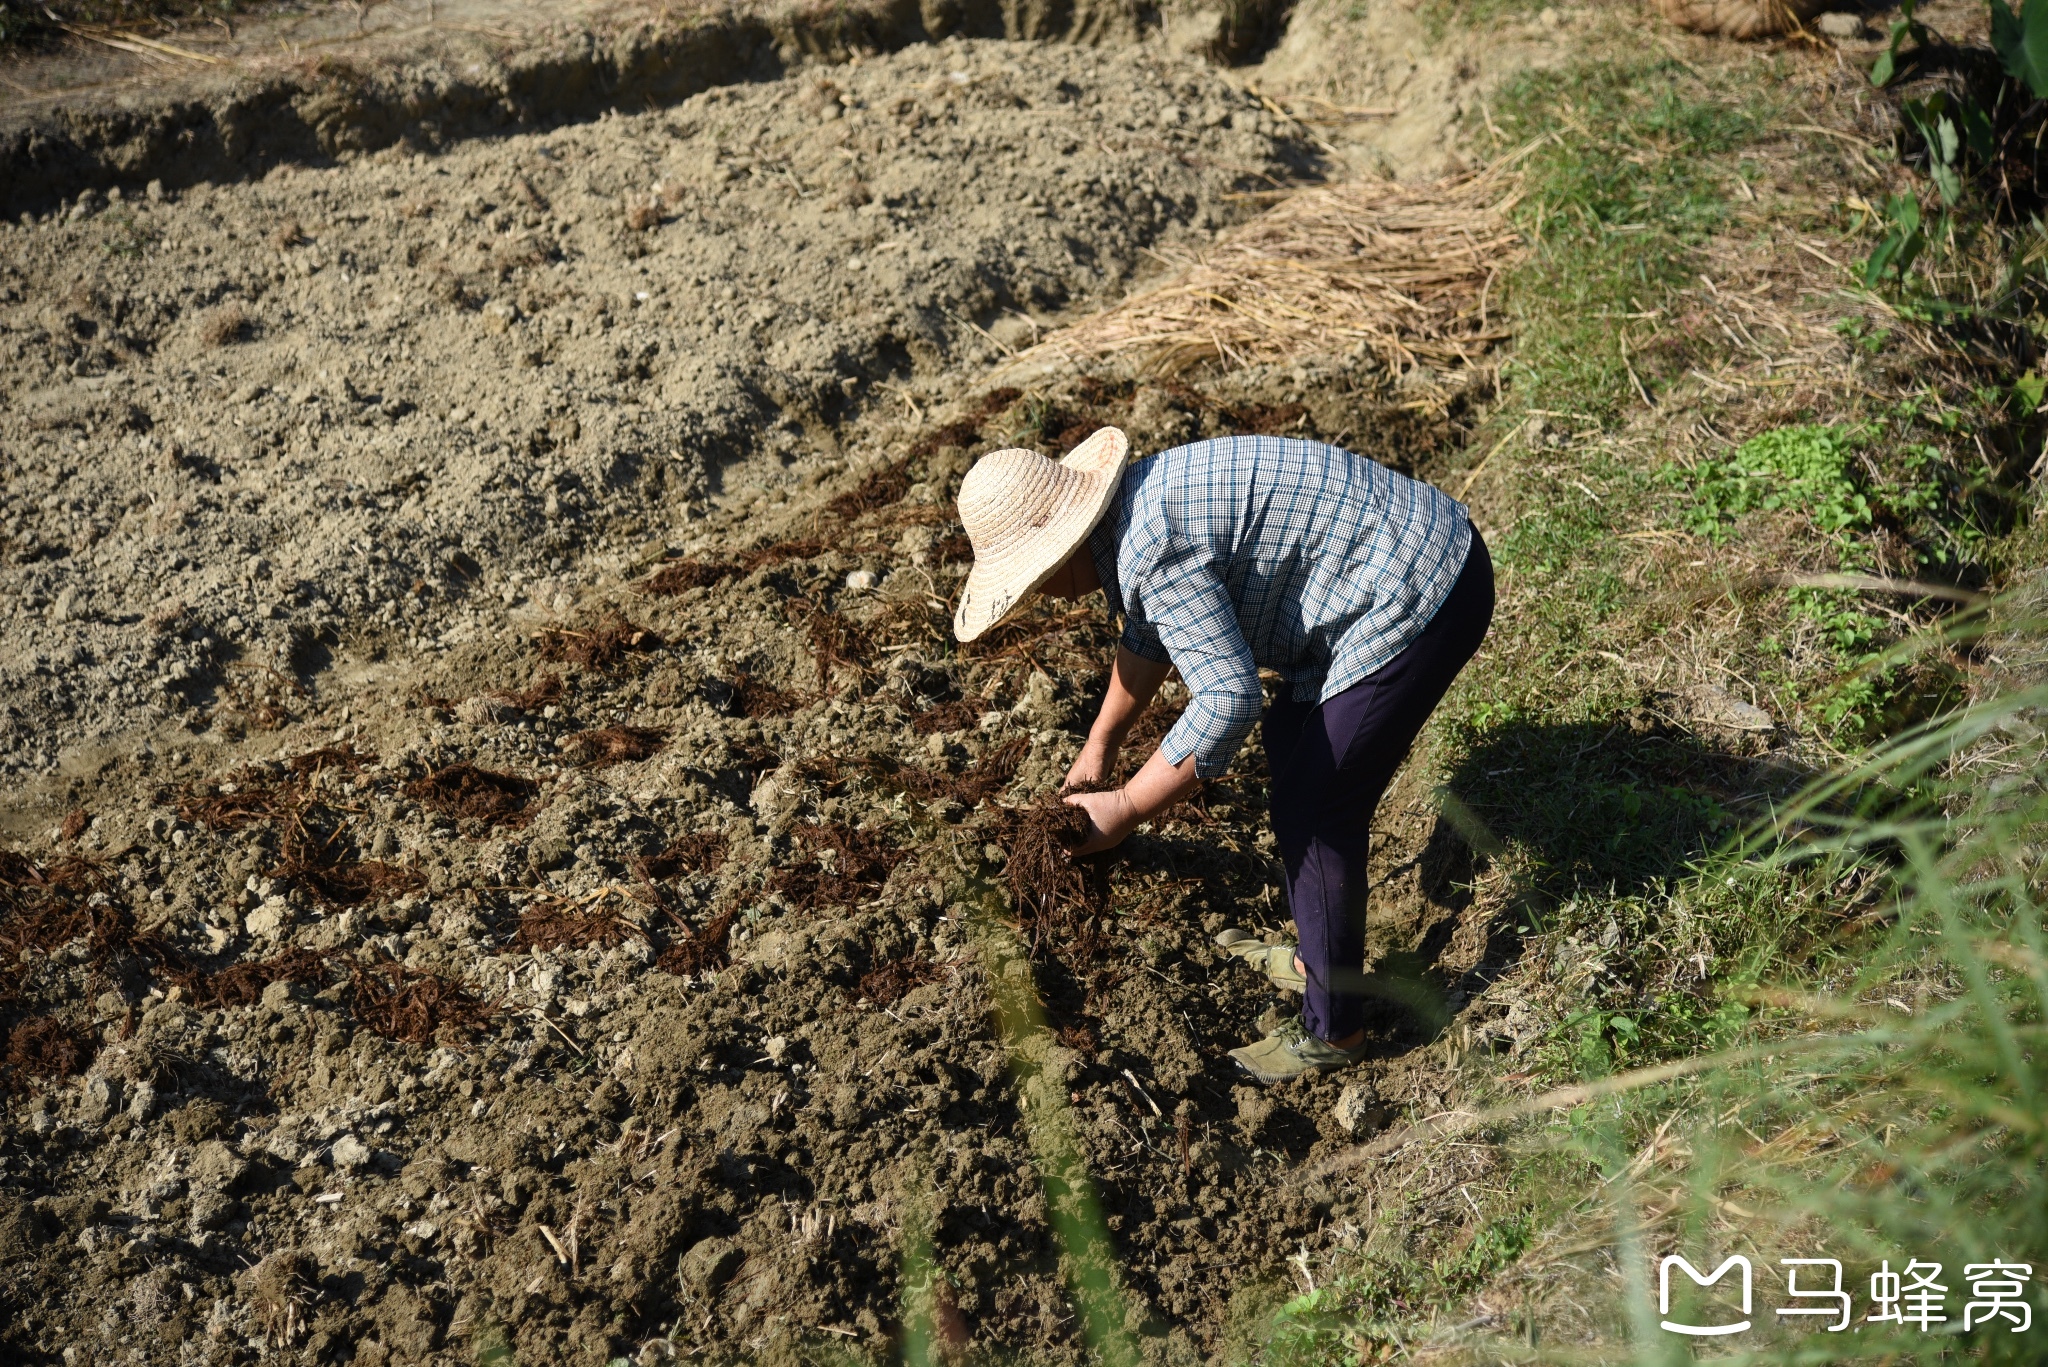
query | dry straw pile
(1404,272)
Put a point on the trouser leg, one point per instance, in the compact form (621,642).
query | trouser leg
(1331,763)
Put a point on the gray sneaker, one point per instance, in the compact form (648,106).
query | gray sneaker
(1292,1051)
(1275,961)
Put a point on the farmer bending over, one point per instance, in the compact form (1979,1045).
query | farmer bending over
(1364,590)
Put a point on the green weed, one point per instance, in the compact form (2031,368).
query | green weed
(1804,467)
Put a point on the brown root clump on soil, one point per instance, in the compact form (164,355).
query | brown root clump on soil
(569,925)
(751,697)
(834,641)
(843,866)
(326,866)
(1062,902)
(225,325)
(699,951)
(243,983)
(987,778)
(414,1007)
(343,756)
(697,852)
(615,745)
(240,800)
(604,646)
(544,690)
(966,430)
(680,576)
(44,1046)
(463,790)
(42,907)
(888,983)
(1399,270)
(960,715)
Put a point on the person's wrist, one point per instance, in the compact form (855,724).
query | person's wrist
(1127,814)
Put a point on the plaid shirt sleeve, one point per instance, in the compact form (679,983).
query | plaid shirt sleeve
(1197,626)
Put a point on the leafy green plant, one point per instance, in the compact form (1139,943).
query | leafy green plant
(1803,467)
(1905,29)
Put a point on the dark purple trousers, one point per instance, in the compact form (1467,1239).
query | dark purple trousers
(1330,763)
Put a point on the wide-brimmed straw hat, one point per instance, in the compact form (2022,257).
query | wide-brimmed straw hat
(1025,514)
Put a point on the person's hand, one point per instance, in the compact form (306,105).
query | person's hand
(1092,767)
(1111,817)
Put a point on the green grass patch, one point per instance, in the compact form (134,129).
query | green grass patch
(1632,177)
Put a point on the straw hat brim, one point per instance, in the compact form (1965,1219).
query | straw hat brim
(996,589)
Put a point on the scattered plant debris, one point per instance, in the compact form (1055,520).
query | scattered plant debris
(604,646)
(44,1046)
(960,715)
(890,982)
(463,790)
(691,952)
(748,696)
(697,852)
(615,745)
(556,924)
(242,984)
(410,1006)
(843,866)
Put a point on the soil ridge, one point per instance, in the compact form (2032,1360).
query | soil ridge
(219,128)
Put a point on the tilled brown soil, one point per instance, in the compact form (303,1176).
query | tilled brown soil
(516,871)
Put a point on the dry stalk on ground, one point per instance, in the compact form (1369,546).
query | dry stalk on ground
(1402,271)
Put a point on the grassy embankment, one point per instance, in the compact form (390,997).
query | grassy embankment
(1717,455)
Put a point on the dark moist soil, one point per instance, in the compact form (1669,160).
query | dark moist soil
(587,957)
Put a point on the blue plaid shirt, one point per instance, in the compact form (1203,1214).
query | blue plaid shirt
(1228,555)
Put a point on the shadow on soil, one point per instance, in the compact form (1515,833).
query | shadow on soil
(1613,810)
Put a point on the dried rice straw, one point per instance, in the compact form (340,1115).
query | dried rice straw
(1401,272)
